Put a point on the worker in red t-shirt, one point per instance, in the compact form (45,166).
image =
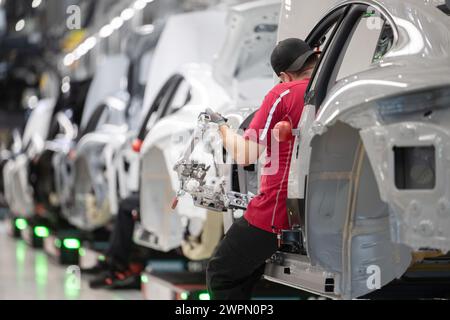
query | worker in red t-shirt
(238,261)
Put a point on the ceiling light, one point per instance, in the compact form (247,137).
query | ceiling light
(140,4)
(106,31)
(127,14)
(82,49)
(20,25)
(90,42)
(117,22)
(69,59)
(36,3)
(76,55)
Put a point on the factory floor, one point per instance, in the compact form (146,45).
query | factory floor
(29,274)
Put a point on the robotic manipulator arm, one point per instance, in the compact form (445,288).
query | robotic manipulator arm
(202,180)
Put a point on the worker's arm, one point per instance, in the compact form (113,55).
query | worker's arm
(243,151)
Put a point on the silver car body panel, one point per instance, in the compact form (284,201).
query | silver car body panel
(356,217)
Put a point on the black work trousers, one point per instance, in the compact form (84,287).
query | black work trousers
(121,241)
(238,261)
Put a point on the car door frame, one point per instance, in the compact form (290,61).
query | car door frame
(161,103)
(318,89)
(298,177)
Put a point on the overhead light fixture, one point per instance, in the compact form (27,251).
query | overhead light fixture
(140,4)
(20,25)
(81,50)
(36,3)
(69,59)
(106,31)
(127,14)
(90,42)
(116,23)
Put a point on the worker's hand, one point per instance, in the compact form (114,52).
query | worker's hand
(216,117)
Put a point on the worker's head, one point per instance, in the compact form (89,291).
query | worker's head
(293,59)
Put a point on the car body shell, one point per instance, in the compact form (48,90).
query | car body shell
(18,192)
(239,77)
(356,218)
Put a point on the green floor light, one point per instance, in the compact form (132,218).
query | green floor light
(21,224)
(41,232)
(204,296)
(184,296)
(71,243)
(144,278)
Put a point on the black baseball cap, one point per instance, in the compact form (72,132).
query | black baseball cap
(290,55)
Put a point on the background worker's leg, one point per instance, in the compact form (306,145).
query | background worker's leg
(238,262)
(119,273)
(121,241)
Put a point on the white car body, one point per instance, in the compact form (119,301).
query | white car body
(103,111)
(18,192)
(180,31)
(239,77)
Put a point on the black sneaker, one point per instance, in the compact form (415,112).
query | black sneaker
(104,281)
(100,267)
(126,279)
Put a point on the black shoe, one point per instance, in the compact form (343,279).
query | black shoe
(104,281)
(127,280)
(100,267)
(117,280)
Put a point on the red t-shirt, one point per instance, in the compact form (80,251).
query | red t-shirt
(285,102)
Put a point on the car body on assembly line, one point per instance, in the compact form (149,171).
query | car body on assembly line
(79,183)
(238,77)
(18,191)
(368,183)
